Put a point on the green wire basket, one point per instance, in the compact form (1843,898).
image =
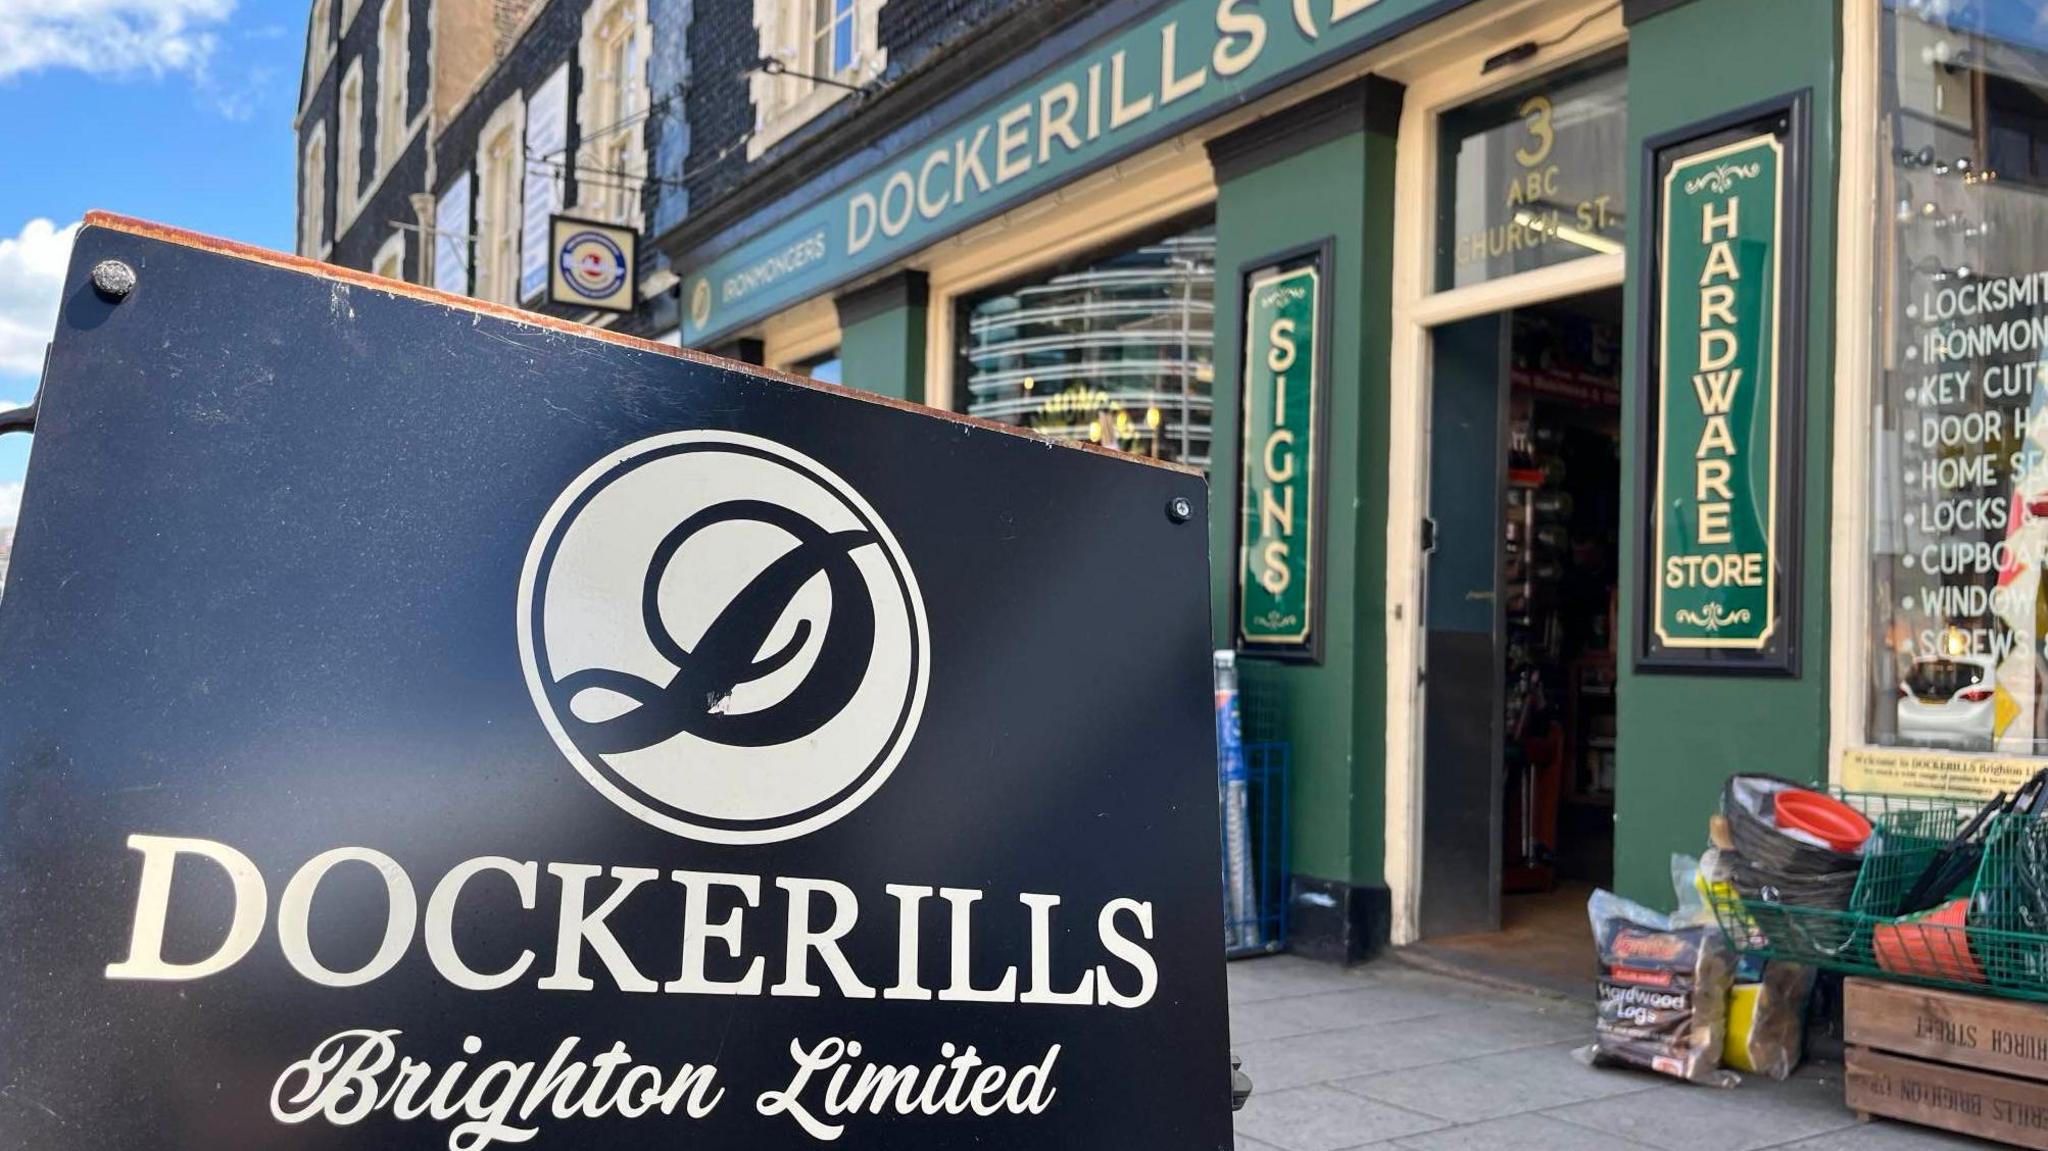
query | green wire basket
(1994,942)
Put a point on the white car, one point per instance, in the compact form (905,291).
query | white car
(1949,701)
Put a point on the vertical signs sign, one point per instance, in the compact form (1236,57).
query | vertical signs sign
(1277,592)
(1720,435)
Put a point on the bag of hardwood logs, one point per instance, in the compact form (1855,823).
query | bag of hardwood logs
(1663,992)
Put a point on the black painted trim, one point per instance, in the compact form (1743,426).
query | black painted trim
(1789,115)
(1367,104)
(1338,922)
(909,288)
(1324,253)
(1634,12)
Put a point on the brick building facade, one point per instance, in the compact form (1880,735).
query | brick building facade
(514,111)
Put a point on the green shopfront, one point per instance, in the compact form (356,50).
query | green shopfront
(1597,398)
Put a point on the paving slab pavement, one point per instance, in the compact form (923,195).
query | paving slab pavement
(1394,1058)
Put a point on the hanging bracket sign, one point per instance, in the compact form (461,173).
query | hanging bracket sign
(1723,389)
(595,265)
(1278,584)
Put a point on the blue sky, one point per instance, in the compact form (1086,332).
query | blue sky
(172,110)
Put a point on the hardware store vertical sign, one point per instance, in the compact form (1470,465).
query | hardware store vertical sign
(1718,410)
(1276,576)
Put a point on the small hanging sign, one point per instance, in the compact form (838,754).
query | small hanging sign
(594,265)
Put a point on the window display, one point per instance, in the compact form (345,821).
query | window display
(1959,477)
(1117,351)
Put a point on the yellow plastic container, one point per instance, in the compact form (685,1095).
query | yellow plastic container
(1735,1047)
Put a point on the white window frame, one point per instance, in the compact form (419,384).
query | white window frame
(392,252)
(313,192)
(783,102)
(1856,209)
(392,82)
(496,253)
(1436,86)
(348,152)
(319,41)
(611,156)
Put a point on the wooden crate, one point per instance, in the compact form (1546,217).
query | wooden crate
(1999,1035)
(1963,1063)
(1997,1107)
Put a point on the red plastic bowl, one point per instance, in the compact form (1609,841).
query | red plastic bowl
(1934,945)
(1829,819)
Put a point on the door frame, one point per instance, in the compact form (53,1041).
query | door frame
(1575,30)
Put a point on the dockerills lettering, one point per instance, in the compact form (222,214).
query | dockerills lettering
(809,951)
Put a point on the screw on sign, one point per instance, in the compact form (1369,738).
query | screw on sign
(598,746)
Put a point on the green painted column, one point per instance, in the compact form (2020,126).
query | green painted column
(882,335)
(1681,735)
(1323,170)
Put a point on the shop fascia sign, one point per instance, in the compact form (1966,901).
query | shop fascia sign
(1720,546)
(1278,597)
(1184,63)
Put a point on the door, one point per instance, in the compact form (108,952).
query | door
(1463,694)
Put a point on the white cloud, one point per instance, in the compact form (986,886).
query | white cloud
(236,100)
(110,37)
(10,505)
(31,279)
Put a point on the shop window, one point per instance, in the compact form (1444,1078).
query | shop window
(1535,177)
(820,47)
(1116,350)
(391,84)
(348,157)
(612,161)
(313,192)
(1959,460)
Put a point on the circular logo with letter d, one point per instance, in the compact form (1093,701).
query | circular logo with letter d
(723,637)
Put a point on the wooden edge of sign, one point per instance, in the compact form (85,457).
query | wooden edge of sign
(118,223)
